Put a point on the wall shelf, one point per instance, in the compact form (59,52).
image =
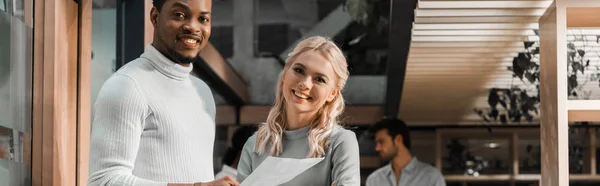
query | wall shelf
(518,137)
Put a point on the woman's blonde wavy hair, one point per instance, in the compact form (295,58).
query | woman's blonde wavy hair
(270,133)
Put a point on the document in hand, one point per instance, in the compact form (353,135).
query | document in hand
(276,171)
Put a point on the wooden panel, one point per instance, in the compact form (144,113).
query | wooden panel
(515,154)
(478,19)
(463,50)
(467,44)
(65,93)
(483,4)
(38,92)
(473,33)
(478,132)
(473,60)
(450,75)
(584,115)
(576,177)
(55,92)
(554,126)
(370,162)
(479,26)
(148,27)
(84,100)
(472,38)
(28,12)
(593,152)
(438,150)
(252,115)
(497,177)
(583,17)
(522,177)
(215,61)
(48,97)
(477,12)
(462,55)
(353,115)
(577,3)
(361,115)
(583,105)
(226,115)
(459,63)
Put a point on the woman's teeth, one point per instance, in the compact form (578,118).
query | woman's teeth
(300,95)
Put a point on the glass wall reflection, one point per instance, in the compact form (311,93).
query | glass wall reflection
(16,33)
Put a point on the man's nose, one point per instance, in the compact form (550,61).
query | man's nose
(193,26)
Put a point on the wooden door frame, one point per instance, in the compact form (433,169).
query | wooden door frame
(61,92)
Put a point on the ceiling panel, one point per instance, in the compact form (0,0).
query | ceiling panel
(461,49)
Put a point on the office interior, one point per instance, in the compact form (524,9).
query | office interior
(500,92)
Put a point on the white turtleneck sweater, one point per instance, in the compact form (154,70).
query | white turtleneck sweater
(152,124)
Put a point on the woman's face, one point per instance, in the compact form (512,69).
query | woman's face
(309,83)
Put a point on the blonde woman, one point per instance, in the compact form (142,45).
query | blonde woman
(303,122)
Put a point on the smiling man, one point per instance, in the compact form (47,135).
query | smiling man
(153,123)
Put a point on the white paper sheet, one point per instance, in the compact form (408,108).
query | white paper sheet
(276,171)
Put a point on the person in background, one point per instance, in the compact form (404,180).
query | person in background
(153,124)
(303,123)
(232,156)
(392,140)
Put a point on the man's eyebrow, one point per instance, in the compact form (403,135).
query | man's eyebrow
(181,5)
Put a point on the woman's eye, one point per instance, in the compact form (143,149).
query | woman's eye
(321,80)
(299,70)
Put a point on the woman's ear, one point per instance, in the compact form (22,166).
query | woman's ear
(333,94)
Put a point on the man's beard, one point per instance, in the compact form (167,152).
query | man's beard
(180,59)
(389,156)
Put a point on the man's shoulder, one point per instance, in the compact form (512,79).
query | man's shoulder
(135,68)
(427,169)
(199,83)
(379,173)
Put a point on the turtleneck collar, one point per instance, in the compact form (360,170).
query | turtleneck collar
(165,65)
(295,134)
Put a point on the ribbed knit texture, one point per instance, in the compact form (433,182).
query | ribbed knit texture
(152,124)
(341,163)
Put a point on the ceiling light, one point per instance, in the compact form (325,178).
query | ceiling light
(491,145)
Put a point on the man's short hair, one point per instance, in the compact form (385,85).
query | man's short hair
(394,127)
(158,4)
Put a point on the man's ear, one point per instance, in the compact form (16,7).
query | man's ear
(398,140)
(154,16)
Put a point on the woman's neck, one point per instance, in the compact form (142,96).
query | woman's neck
(296,120)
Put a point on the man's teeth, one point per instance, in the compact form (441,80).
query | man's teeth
(192,41)
(300,95)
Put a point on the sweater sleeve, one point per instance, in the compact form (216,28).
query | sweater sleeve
(118,121)
(245,165)
(207,96)
(346,160)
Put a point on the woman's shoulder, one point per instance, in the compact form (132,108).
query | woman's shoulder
(250,142)
(340,134)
